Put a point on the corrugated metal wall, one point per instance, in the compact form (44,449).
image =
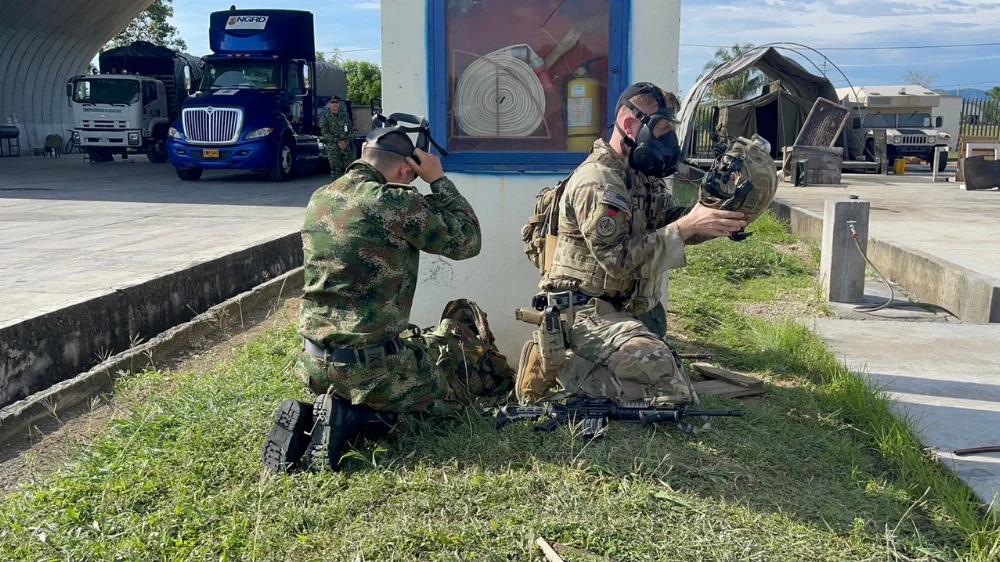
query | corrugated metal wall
(43,43)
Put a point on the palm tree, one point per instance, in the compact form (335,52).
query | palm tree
(742,86)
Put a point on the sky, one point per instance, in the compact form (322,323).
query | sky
(867,26)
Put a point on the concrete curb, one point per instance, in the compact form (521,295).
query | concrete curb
(19,416)
(971,296)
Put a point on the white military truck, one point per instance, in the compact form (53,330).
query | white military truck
(129,107)
(905,114)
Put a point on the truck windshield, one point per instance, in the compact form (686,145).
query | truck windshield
(257,75)
(880,121)
(915,120)
(106,90)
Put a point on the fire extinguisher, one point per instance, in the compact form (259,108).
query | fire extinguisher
(583,109)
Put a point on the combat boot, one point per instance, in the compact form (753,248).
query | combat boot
(532,380)
(288,439)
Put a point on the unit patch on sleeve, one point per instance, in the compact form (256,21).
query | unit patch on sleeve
(607,227)
(616,199)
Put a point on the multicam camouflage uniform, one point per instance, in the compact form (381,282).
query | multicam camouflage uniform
(336,127)
(362,240)
(616,238)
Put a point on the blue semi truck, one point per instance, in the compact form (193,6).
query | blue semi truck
(261,93)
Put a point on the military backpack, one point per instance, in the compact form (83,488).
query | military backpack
(539,233)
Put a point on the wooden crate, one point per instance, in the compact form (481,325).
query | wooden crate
(825,163)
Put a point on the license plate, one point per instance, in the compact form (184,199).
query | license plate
(210,153)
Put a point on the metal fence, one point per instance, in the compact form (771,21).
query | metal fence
(981,118)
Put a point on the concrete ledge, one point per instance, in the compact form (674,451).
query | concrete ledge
(970,296)
(18,417)
(48,349)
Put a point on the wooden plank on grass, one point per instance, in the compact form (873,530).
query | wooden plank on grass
(718,373)
(723,388)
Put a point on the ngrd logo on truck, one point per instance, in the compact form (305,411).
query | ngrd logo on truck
(246,22)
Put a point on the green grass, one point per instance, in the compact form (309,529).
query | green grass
(817,469)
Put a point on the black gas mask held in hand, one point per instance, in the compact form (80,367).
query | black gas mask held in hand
(386,125)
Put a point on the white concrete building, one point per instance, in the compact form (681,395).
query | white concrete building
(433,65)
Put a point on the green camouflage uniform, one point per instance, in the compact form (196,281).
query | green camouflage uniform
(336,127)
(616,239)
(362,240)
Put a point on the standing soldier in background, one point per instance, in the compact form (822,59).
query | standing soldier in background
(338,132)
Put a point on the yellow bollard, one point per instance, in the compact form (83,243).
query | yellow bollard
(899,166)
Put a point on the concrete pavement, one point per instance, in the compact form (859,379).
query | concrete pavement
(71,231)
(945,377)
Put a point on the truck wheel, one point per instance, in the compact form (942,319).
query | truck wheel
(99,155)
(189,174)
(157,153)
(284,161)
(942,162)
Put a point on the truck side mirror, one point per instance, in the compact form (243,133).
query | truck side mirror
(187,78)
(938,121)
(306,77)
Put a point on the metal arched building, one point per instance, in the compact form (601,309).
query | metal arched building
(43,43)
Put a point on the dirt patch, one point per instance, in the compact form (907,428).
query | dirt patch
(52,443)
(799,249)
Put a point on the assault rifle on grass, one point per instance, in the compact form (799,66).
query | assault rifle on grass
(594,413)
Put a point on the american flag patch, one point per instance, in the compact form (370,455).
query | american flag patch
(616,199)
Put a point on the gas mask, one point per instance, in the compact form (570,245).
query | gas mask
(386,125)
(654,156)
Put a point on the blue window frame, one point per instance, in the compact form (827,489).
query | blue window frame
(466,159)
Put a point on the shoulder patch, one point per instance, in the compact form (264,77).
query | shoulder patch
(614,198)
(607,227)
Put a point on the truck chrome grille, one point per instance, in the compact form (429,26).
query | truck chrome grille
(211,125)
(914,139)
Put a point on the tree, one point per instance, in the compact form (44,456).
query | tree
(364,81)
(742,86)
(151,25)
(335,57)
(919,78)
(994,94)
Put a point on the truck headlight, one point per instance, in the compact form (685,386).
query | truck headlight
(133,138)
(259,133)
(175,134)
(944,136)
(897,140)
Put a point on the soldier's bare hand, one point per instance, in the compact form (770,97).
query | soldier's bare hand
(706,221)
(342,145)
(429,169)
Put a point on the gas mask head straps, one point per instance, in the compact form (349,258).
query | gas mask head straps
(651,155)
(387,125)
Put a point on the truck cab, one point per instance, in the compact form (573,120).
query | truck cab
(904,112)
(119,114)
(256,107)
(128,107)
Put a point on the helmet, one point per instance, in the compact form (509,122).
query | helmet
(743,178)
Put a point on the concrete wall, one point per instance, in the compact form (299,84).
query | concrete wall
(950,110)
(43,351)
(501,278)
(43,43)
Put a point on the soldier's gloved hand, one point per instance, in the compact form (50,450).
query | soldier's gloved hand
(706,221)
(429,169)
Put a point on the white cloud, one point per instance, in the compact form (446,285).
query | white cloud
(368,5)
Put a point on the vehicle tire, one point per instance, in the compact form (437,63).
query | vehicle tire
(284,161)
(942,163)
(100,155)
(189,174)
(157,153)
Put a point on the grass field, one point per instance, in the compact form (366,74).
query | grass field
(817,469)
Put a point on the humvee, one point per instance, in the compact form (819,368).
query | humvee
(905,114)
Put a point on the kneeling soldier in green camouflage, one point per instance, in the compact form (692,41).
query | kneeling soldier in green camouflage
(362,239)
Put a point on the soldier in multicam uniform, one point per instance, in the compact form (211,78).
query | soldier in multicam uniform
(338,134)
(618,231)
(362,239)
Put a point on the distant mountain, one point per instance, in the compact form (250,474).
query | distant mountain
(967,93)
